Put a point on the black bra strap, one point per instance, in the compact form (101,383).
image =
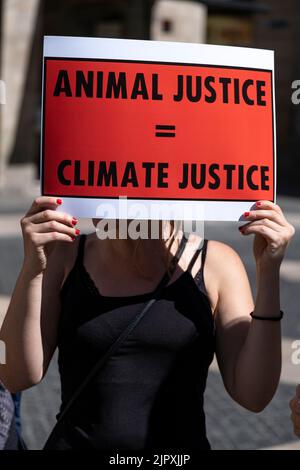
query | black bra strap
(199,278)
(196,254)
(173,264)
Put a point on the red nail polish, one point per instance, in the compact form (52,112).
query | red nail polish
(59,201)
(77,231)
(74,221)
(258,203)
(73,238)
(246,214)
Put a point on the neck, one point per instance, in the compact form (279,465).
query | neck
(140,247)
(148,253)
(157,237)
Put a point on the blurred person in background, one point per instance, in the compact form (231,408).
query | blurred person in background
(9,438)
(295,407)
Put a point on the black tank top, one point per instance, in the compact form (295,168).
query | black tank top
(150,393)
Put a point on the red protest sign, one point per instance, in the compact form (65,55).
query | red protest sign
(157,130)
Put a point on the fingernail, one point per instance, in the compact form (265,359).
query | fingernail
(74,221)
(77,231)
(246,214)
(241,229)
(258,203)
(59,201)
(73,238)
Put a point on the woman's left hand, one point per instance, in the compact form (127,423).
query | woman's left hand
(272,232)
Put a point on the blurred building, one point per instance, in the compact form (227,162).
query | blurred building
(270,24)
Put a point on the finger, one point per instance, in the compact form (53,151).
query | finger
(266,214)
(268,223)
(263,230)
(43,202)
(42,239)
(262,205)
(54,226)
(47,215)
(278,238)
(269,205)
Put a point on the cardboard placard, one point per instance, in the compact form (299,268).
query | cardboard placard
(158,124)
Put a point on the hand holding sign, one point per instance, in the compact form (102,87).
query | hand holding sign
(41,226)
(272,233)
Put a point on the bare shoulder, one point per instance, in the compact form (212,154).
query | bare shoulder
(223,263)
(217,251)
(223,268)
(226,274)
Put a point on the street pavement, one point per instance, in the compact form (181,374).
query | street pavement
(228,425)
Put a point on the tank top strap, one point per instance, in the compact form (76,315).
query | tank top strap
(80,252)
(195,256)
(199,277)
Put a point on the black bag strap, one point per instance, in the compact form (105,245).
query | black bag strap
(125,333)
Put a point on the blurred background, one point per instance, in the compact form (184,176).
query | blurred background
(269,24)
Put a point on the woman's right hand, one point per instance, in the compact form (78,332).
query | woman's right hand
(41,227)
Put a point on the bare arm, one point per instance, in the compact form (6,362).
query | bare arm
(30,324)
(249,351)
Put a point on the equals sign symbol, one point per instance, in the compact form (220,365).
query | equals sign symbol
(164,130)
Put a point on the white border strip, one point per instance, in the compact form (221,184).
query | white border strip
(157,51)
(185,210)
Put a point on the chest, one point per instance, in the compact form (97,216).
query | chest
(91,322)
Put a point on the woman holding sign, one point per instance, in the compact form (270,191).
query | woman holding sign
(81,294)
